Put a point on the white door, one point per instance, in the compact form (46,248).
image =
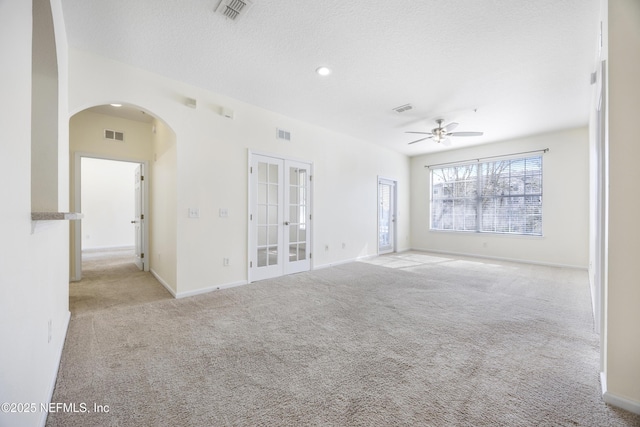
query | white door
(139,216)
(386,216)
(297,220)
(279,217)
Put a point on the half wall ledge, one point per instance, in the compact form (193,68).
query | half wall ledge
(56,216)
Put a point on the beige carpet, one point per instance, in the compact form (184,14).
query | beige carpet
(408,340)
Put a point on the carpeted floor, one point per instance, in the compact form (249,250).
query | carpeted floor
(410,340)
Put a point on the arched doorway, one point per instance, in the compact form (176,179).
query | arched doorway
(129,134)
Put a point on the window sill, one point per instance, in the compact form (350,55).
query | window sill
(489,234)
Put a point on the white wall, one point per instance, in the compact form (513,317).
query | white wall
(33,256)
(108,206)
(622,287)
(211,172)
(565,203)
(163,208)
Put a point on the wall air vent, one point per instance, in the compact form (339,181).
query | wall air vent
(234,9)
(113,135)
(283,134)
(403,108)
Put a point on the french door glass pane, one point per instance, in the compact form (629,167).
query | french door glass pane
(384,211)
(297,213)
(267,214)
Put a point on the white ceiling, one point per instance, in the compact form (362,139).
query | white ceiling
(523,65)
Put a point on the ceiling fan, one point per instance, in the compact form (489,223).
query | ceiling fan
(442,133)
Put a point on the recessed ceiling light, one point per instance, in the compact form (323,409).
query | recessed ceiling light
(116,105)
(323,71)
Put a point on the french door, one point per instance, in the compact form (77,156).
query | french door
(279,217)
(386,216)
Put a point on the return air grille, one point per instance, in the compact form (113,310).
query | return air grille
(283,134)
(113,135)
(234,9)
(403,108)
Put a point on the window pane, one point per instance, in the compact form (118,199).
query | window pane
(262,257)
(273,194)
(273,215)
(273,255)
(273,174)
(262,235)
(262,172)
(293,233)
(533,184)
(273,235)
(262,215)
(262,193)
(293,252)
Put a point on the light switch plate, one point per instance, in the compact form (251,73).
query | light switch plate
(224,212)
(194,213)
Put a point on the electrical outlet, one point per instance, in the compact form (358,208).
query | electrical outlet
(224,212)
(225,262)
(194,213)
(326,247)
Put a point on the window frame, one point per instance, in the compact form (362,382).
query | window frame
(521,186)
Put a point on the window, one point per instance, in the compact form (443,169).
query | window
(503,196)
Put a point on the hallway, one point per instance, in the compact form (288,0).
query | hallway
(111,279)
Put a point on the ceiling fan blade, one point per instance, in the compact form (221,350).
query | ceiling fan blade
(418,140)
(451,126)
(422,133)
(446,142)
(466,133)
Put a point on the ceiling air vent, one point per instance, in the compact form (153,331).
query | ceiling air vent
(234,9)
(113,135)
(283,134)
(403,108)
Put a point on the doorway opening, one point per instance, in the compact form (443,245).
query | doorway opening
(111,195)
(386,215)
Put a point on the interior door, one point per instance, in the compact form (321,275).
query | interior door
(297,217)
(266,217)
(279,217)
(139,216)
(386,216)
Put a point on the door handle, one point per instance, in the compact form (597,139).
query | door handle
(286,223)
(134,222)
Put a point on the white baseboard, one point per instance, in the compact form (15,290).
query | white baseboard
(620,402)
(521,261)
(52,385)
(345,261)
(162,282)
(210,289)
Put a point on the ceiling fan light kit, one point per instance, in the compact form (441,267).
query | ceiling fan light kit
(441,134)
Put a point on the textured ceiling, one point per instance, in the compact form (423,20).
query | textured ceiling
(523,65)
